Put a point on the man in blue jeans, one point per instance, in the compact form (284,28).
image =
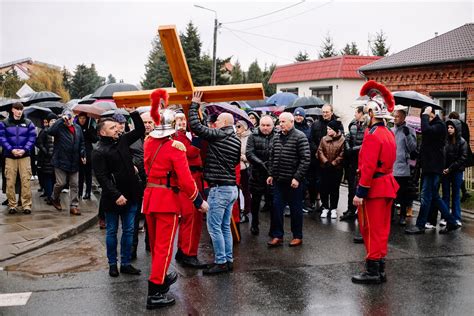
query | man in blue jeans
(432,159)
(223,155)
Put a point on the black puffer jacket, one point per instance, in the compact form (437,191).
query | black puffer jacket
(354,139)
(433,138)
(289,156)
(258,154)
(457,153)
(45,145)
(319,129)
(223,153)
(113,167)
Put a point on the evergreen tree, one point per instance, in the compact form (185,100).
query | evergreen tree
(350,49)
(269,89)
(66,79)
(379,46)
(237,74)
(198,66)
(10,83)
(85,81)
(111,79)
(327,48)
(157,74)
(302,56)
(223,76)
(254,74)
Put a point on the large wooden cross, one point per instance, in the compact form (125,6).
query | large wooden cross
(182,94)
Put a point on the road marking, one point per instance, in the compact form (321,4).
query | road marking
(14,299)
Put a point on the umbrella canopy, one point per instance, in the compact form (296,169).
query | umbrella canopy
(110,113)
(41,96)
(88,99)
(306,102)
(36,114)
(241,104)
(6,104)
(107,91)
(272,108)
(94,110)
(72,102)
(222,107)
(314,112)
(415,99)
(55,106)
(282,98)
(256,103)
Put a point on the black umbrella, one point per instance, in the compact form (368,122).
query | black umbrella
(111,113)
(314,112)
(55,106)
(6,104)
(107,91)
(305,102)
(88,99)
(414,99)
(41,96)
(37,114)
(256,103)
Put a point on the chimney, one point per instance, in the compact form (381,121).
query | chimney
(436,34)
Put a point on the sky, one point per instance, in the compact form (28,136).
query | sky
(116,35)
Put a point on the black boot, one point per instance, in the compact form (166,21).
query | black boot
(383,276)
(371,275)
(192,262)
(179,256)
(357,239)
(156,298)
(348,216)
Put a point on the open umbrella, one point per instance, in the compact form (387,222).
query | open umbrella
(94,110)
(88,99)
(72,102)
(282,98)
(222,107)
(256,103)
(414,99)
(41,96)
(305,102)
(36,114)
(111,113)
(242,105)
(107,91)
(271,108)
(6,104)
(55,106)
(314,112)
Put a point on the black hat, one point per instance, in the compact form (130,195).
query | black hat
(335,125)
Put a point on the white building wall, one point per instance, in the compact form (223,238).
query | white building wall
(345,92)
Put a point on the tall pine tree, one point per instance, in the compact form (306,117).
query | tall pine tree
(327,48)
(111,79)
(269,89)
(157,74)
(302,56)
(379,46)
(254,75)
(237,74)
(85,81)
(10,83)
(350,49)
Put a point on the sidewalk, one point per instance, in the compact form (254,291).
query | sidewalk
(21,233)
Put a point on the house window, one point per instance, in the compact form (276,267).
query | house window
(291,90)
(324,93)
(453,104)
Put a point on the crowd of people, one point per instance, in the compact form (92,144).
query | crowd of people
(225,170)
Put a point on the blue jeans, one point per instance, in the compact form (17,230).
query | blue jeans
(430,194)
(221,199)
(48,182)
(452,183)
(284,194)
(127,216)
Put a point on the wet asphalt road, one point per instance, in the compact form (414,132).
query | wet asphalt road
(427,274)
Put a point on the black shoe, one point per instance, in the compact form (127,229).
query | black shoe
(244,218)
(27,211)
(43,195)
(179,256)
(12,211)
(348,216)
(216,269)
(383,276)
(40,190)
(230,266)
(254,230)
(449,228)
(113,271)
(133,256)
(371,275)
(358,239)
(402,221)
(86,196)
(415,230)
(129,269)
(171,278)
(157,299)
(192,262)
(5,202)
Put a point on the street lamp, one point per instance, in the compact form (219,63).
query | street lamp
(214,61)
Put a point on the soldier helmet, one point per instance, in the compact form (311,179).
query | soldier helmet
(381,100)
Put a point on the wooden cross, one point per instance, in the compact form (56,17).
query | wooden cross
(182,94)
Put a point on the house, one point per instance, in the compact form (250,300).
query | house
(25,67)
(441,67)
(334,79)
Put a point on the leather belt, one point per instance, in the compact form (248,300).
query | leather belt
(378,175)
(155,185)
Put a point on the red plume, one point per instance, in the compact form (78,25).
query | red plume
(371,88)
(156,97)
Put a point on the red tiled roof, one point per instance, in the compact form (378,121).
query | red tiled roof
(339,67)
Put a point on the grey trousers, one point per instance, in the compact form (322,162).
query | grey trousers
(61,178)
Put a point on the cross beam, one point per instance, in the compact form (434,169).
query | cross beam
(182,94)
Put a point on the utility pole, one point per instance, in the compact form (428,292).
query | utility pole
(214,58)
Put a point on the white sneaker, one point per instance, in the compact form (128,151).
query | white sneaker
(429,226)
(65,191)
(333,214)
(442,222)
(458,222)
(324,213)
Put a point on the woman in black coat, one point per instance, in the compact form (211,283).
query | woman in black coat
(45,144)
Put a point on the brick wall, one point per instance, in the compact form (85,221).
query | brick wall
(452,77)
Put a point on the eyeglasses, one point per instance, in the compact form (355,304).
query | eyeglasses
(238,126)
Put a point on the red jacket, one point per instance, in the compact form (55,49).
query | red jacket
(170,158)
(192,153)
(376,158)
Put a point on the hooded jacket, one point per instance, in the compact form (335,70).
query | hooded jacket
(433,138)
(457,153)
(405,139)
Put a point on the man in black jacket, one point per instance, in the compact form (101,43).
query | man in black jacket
(116,174)
(89,132)
(289,162)
(432,158)
(258,154)
(223,155)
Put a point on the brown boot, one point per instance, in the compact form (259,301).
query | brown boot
(296,242)
(74,211)
(275,242)
(57,204)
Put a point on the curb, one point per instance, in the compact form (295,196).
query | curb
(62,234)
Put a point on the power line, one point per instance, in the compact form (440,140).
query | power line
(270,37)
(251,45)
(266,14)
(289,17)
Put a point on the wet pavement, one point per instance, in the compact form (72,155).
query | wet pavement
(427,274)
